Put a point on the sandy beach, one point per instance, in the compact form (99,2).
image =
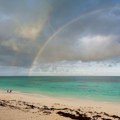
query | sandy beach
(24,106)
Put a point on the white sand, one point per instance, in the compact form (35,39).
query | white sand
(111,108)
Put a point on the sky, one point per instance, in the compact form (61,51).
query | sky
(59,37)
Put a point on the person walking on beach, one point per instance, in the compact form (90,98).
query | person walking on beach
(9,91)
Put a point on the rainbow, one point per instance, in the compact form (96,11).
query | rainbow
(57,32)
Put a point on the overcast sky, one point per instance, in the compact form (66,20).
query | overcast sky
(39,32)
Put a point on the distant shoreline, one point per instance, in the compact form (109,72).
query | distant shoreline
(67,100)
(22,104)
(105,89)
(39,94)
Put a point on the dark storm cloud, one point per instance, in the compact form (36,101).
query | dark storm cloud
(20,24)
(92,37)
(26,25)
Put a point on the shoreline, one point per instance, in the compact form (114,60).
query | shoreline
(69,100)
(82,98)
(99,106)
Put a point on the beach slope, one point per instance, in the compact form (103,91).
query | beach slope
(22,106)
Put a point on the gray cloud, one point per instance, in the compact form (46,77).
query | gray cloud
(20,24)
(92,37)
(26,25)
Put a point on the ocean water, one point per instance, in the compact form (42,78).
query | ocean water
(95,88)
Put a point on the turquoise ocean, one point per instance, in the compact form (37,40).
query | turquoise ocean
(86,87)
